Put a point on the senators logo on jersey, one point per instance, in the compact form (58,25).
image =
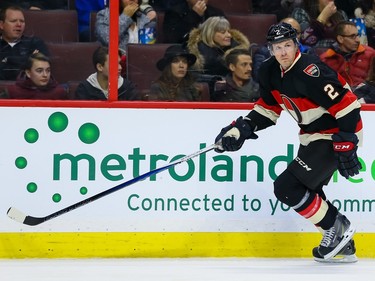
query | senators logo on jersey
(312,70)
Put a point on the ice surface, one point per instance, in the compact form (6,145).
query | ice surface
(190,269)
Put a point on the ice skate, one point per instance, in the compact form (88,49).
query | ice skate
(335,238)
(345,255)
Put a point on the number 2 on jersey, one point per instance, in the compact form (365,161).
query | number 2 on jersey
(331,91)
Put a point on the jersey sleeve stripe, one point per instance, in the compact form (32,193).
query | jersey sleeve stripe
(344,108)
(272,113)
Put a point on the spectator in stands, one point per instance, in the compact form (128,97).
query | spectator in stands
(176,82)
(36,82)
(185,15)
(84,9)
(262,53)
(347,56)
(366,90)
(366,10)
(131,20)
(15,47)
(211,41)
(95,87)
(318,19)
(238,86)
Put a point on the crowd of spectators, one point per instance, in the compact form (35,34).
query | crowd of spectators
(204,47)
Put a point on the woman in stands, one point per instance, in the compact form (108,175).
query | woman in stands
(36,82)
(318,19)
(176,83)
(132,19)
(210,42)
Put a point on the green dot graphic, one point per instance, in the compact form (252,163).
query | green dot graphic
(83,190)
(58,122)
(56,197)
(32,187)
(21,162)
(31,135)
(88,133)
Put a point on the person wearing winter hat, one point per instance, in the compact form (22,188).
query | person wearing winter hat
(176,82)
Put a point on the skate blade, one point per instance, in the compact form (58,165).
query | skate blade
(339,259)
(347,236)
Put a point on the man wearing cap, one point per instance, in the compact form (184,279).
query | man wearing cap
(176,83)
(328,115)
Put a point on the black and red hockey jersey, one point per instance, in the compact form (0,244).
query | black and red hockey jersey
(317,97)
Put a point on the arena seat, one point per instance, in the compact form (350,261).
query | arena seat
(254,26)
(72,87)
(141,64)
(159,27)
(4,88)
(72,61)
(52,25)
(232,6)
(93,37)
(205,91)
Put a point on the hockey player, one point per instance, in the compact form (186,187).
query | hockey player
(328,115)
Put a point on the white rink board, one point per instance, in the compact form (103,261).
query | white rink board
(128,140)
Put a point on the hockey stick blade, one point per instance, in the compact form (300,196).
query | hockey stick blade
(20,217)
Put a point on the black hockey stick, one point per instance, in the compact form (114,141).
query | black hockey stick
(18,216)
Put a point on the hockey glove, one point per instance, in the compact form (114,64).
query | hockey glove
(232,137)
(345,147)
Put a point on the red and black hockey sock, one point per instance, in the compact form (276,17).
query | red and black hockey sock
(308,203)
(314,208)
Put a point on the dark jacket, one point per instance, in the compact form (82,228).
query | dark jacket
(228,91)
(13,58)
(90,90)
(166,92)
(24,88)
(366,91)
(180,19)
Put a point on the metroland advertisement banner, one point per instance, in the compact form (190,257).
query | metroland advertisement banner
(53,158)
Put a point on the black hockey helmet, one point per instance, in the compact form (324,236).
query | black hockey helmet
(280,32)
